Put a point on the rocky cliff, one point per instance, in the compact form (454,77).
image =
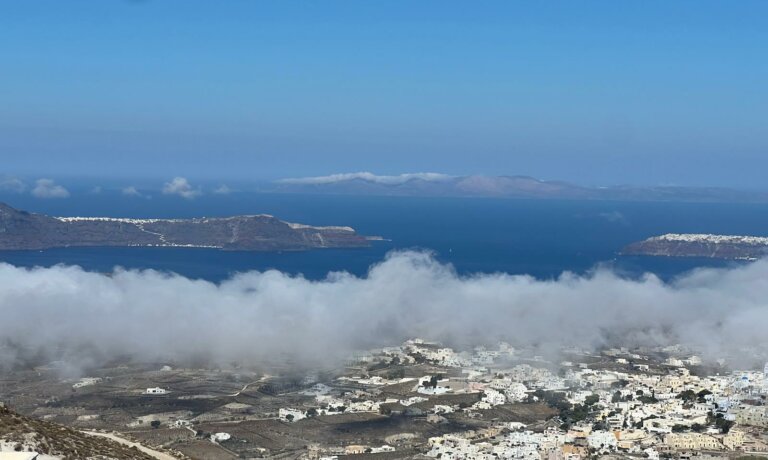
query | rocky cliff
(24,230)
(700,245)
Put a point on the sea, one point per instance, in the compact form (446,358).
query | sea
(540,238)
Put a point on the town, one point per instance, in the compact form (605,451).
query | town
(426,400)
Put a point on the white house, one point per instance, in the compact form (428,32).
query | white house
(291,415)
(602,441)
(220,437)
(494,397)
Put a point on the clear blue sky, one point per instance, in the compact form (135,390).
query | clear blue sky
(645,92)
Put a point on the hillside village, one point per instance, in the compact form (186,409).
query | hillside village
(652,410)
(425,400)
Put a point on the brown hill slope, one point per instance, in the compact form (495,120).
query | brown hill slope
(29,434)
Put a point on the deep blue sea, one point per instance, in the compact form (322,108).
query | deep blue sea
(538,237)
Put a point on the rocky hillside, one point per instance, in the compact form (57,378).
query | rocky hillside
(23,434)
(700,245)
(24,230)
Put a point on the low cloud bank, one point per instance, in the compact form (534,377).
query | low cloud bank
(266,317)
(47,188)
(180,186)
(12,184)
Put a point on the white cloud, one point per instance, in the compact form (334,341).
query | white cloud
(614,217)
(223,190)
(47,188)
(12,184)
(369,177)
(130,191)
(257,317)
(180,186)
(96,190)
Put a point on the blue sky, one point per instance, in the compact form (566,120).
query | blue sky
(652,92)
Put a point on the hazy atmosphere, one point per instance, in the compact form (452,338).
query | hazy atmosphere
(596,93)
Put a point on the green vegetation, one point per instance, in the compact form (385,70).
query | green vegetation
(687,396)
(720,423)
(567,412)
(591,400)
(432,382)
(378,366)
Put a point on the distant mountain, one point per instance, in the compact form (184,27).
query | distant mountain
(433,184)
(24,230)
(700,245)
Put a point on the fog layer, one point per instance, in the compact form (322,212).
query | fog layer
(67,313)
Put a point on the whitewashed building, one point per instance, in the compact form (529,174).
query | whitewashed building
(156,391)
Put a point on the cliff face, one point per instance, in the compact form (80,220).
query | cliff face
(23,230)
(700,245)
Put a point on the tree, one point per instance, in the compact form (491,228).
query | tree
(377,365)
(601,425)
(698,427)
(720,423)
(703,394)
(591,400)
(396,374)
(311,412)
(616,397)
(155,424)
(648,399)
(725,426)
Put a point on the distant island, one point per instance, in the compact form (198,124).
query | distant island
(700,245)
(442,185)
(20,230)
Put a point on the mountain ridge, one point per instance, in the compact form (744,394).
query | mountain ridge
(503,186)
(734,247)
(21,230)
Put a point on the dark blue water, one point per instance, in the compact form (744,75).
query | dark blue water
(536,237)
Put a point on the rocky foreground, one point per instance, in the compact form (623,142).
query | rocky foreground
(700,245)
(21,230)
(19,434)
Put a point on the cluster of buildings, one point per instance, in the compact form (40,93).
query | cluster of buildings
(643,411)
(619,401)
